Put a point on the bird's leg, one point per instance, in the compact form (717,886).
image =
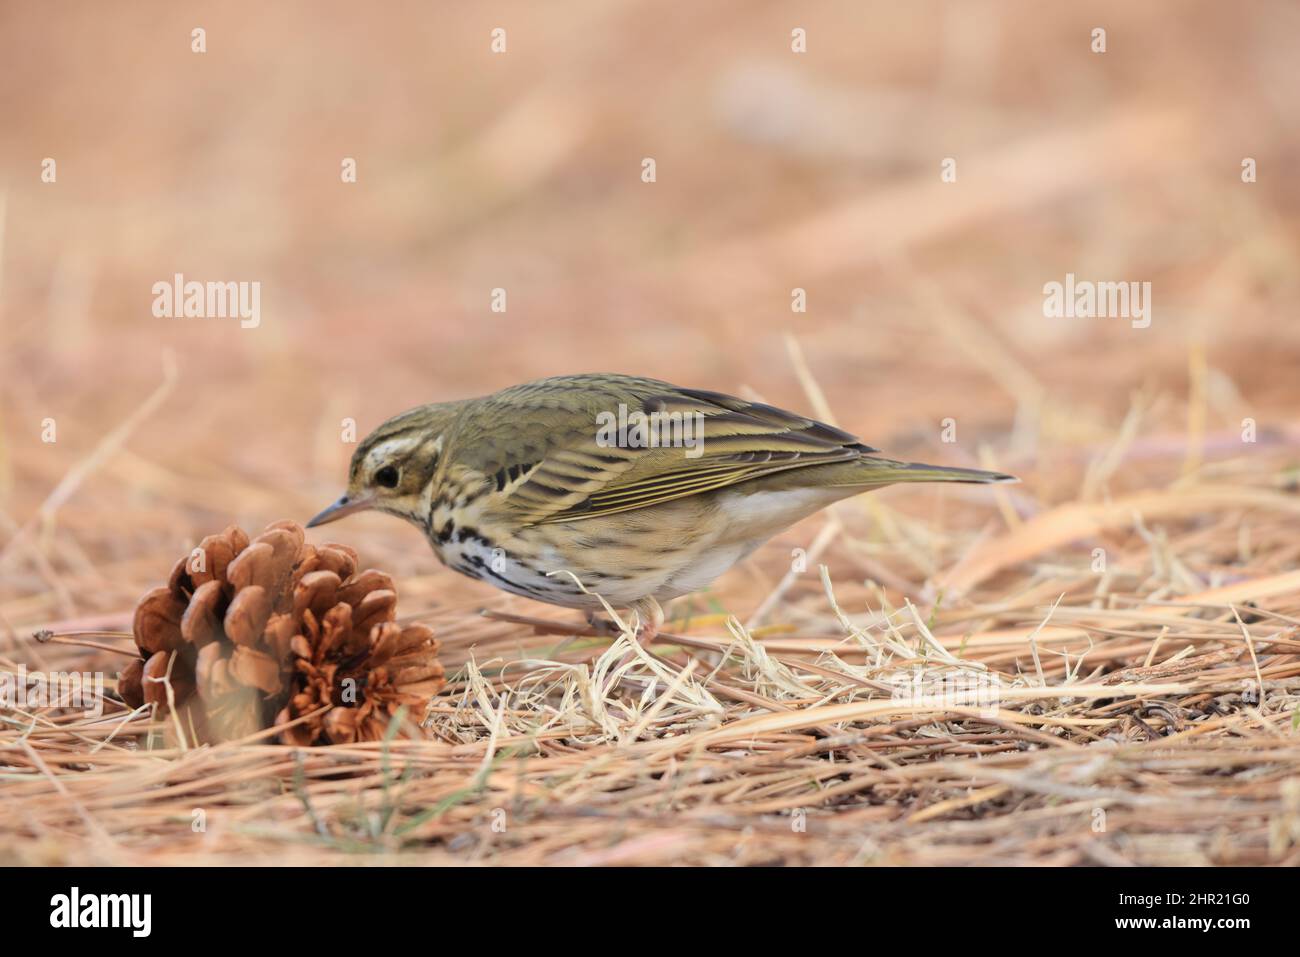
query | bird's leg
(652,619)
(601,626)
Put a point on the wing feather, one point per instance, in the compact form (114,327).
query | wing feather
(552,427)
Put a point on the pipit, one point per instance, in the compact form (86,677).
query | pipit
(629,489)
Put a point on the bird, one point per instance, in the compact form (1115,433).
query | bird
(597,490)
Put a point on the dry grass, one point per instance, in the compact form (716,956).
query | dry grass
(1144,713)
(1144,709)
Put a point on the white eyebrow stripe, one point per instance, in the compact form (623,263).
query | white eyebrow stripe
(391,449)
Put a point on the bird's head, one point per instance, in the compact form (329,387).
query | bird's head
(393,466)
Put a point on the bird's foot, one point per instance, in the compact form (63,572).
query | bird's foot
(647,633)
(651,616)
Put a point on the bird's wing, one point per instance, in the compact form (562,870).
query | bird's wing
(554,450)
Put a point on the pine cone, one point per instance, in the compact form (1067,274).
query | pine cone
(247,634)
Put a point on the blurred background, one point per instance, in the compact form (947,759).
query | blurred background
(522,171)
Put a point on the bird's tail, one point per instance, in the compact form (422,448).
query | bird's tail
(873,471)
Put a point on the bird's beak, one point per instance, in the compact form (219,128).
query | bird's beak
(344,506)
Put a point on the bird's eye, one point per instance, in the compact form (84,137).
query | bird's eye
(387,477)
